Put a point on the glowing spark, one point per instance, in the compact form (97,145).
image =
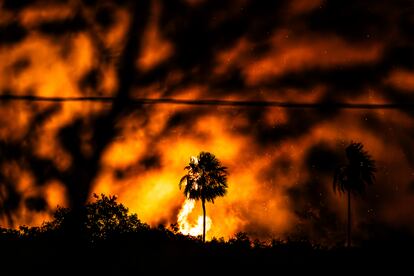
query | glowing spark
(185,226)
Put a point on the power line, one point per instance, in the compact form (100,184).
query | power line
(200,102)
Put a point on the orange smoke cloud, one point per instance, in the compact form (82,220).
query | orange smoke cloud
(39,14)
(303,6)
(401,79)
(268,151)
(155,48)
(159,186)
(292,54)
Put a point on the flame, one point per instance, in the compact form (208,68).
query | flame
(144,161)
(186,227)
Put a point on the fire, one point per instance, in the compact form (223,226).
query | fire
(273,154)
(185,226)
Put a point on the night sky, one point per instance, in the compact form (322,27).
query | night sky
(295,83)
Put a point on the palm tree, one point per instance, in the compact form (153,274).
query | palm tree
(354,176)
(206,179)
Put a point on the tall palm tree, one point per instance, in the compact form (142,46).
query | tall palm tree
(205,179)
(354,176)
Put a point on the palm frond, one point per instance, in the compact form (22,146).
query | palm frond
(182,180)
(205,179)
(358,173)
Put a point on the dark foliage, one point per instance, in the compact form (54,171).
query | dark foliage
(354,176)
(358,173)
(206,178)
(116,242)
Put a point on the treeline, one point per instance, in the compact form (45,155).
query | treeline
(105,219)
(109,240)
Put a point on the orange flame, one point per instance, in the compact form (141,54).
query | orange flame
(185,226)
(144,161)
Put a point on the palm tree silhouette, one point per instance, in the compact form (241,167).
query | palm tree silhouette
(206,179)
(354,176)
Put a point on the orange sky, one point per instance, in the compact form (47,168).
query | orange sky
(280,160)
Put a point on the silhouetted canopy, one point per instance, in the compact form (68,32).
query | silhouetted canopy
(206,178)
(358,173)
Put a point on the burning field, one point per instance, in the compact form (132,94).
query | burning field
(114,97)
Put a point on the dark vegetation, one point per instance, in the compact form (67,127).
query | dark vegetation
(114,242)
(108,239)
(353,177)
(205,179)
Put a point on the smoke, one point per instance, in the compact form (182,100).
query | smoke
(280,160)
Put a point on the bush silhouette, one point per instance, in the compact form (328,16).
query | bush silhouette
(104,217)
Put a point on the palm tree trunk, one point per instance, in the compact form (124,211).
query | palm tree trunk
(203,202)
(349,220)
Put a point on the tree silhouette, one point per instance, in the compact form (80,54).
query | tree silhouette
(206,179)
(104,218)
(354,176)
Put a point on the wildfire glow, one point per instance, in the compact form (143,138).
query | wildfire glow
(280,160)
(186,227)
